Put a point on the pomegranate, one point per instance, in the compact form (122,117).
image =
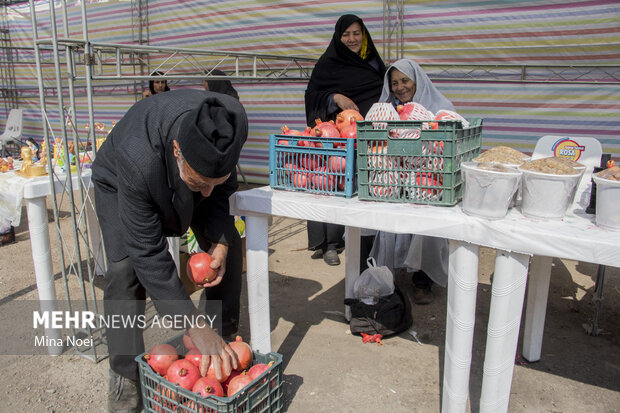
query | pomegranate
(160,357)
(226,382)
(289,167)
(307,131)
(199,268)
(291,132)
(323,182)
(310,162)
(211,372)
(258,369)
(183,373)
(244,352)
(349,131)
(336,164)
(208,386)
(326,129)
(187,341)
(194,356)
(347,117)
(168,400)
(413,111)
(341,183)
(300,180)
(238,383)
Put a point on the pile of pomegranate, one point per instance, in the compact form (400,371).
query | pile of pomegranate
(314,170)
(185,372)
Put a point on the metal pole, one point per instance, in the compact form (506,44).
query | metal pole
(49,153)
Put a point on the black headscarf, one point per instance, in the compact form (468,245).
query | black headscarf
(151,88)
(340,70)
(221,86)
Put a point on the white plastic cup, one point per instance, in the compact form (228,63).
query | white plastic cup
(607,201)
(488,193)
(547,196)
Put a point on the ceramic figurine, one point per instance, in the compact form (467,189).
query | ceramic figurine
(28,168)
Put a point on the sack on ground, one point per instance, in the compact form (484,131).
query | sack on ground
(389,316)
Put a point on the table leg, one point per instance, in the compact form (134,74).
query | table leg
(460,320)
(42,259)
(508,291)
(352,263)
(257,258)
(536,307)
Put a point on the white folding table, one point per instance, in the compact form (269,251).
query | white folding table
(35,191)
(516,238)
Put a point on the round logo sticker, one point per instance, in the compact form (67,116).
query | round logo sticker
(567,148)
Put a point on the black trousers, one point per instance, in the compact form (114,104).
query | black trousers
(325,236)
(124,296)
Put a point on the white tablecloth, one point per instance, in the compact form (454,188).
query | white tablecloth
(575,237)
(11,196)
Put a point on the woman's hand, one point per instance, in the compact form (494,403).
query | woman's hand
(344,102)
(213,349)
(218,252)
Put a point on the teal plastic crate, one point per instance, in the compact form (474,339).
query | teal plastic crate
(315,169)
(263,395)
(408,161)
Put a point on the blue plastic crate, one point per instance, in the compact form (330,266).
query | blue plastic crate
(316,169)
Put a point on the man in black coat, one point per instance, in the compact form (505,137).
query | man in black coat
(168,164)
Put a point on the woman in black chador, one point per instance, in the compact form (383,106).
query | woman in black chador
(349,75)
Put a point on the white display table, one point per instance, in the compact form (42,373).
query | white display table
(35,191)
(515,237)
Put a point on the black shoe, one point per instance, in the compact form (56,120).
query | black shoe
(331,257)
(8,237)
(423,296)
(124,395)
(318,253)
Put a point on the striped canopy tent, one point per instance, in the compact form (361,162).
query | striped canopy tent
(529,68)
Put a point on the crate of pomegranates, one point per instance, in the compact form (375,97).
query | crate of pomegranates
(170,380)
(320,160)
(415,161)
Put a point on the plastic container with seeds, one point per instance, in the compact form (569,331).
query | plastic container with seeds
(608,198)
(548,187)
(489,189)
(506,156)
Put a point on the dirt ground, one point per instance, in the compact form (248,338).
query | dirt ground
(328,369)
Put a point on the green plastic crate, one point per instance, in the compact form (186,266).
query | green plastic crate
(263,395)
(402,161)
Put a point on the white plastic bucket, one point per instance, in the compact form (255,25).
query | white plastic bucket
(607,203)
(488,193)
(546,195)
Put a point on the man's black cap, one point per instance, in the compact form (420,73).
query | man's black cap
(211,135)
